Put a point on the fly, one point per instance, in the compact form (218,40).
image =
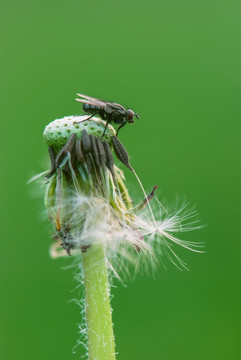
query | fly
(108,111)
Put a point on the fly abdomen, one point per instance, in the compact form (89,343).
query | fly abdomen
(90,108)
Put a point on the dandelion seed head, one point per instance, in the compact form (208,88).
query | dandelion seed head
(88,203)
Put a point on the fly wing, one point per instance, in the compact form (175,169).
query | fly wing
(108,106)
(118,106)
(89,98)
(91,101)
(95,103)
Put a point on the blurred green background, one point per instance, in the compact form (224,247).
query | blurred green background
(178,64)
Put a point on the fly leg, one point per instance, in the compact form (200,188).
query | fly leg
(123,124)
(107,123)
(81,121)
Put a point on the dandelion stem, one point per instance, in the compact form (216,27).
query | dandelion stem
(98,311)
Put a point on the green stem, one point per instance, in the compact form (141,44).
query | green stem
(101,344)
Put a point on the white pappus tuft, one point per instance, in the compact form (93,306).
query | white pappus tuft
(126,243)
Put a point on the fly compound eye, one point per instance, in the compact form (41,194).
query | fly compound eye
(130,116)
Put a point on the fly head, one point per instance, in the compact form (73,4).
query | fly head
(130,116)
